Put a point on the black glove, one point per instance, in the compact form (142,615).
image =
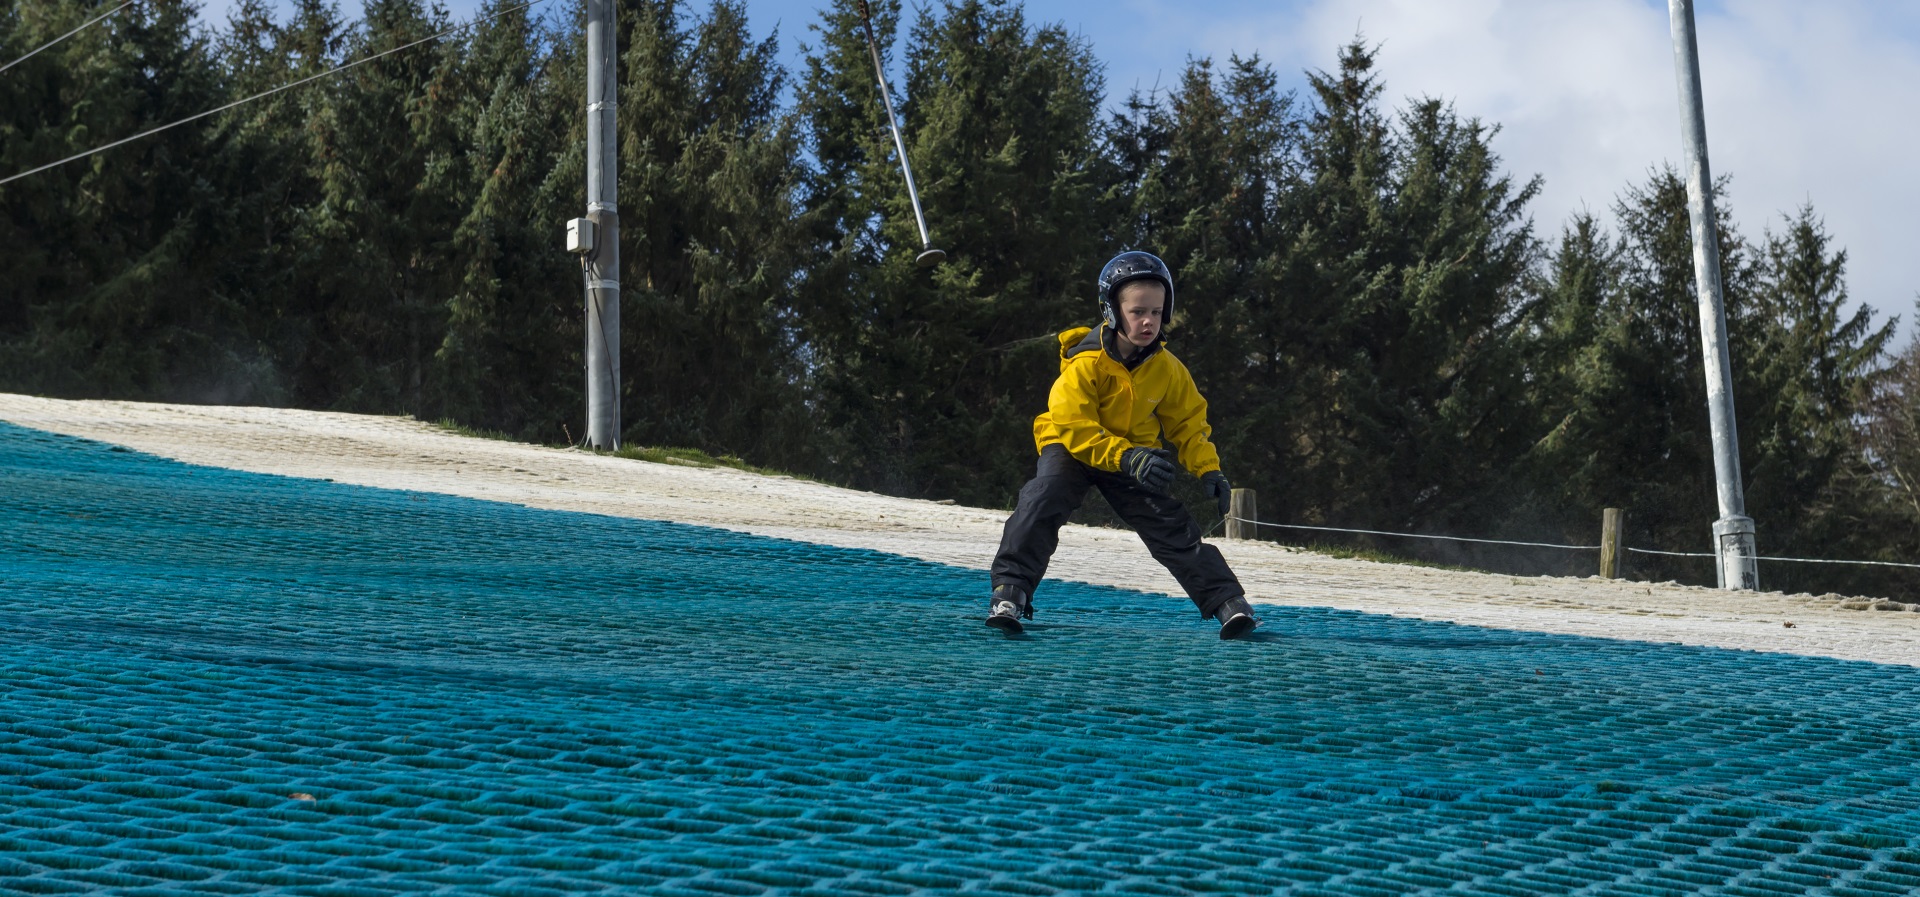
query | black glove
(1219,490)
(1152,468)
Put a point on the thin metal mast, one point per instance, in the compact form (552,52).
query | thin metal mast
(603,261)
(899,146)
(1733,533)
(928,256)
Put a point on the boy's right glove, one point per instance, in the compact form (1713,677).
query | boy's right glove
(1150,467)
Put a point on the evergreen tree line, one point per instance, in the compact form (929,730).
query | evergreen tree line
(1386,339)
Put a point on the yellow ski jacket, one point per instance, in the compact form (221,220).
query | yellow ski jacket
(1098,408)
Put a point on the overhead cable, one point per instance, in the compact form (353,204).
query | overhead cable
(83,27)
(266,93)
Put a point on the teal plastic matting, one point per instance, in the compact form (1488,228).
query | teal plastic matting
(222,682)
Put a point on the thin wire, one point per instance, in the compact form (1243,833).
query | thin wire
(1825,561)
(266,93)
(1765,557)
(1673,554)
(69,34)
(1375,532)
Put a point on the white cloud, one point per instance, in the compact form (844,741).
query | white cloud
(1804,103)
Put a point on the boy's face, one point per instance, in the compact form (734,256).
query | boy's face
(1142,306)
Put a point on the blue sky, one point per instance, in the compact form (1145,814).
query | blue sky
(1805,102)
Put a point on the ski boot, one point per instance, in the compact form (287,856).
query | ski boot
(1008,605)
(1236,617)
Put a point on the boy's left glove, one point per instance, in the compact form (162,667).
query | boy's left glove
(1219,490)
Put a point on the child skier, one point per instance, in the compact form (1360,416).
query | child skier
(1119,394)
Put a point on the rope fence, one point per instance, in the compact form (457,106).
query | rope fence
(1375,532)
(1759,557)
(1556,545)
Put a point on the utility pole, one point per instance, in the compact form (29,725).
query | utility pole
(1733,533)
(601,242)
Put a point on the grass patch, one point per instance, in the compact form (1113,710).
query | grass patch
(693,457)
(457,428)
(685,457)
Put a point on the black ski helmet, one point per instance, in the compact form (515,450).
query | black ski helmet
(1126,268)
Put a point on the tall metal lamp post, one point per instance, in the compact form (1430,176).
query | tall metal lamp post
(596,238)
(1733,532)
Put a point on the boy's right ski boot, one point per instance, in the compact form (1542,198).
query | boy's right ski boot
(1236,617)
(1008,605)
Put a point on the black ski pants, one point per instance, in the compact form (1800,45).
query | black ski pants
(1058,487)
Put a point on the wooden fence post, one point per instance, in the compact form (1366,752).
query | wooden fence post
(1613,523)
(1243,507)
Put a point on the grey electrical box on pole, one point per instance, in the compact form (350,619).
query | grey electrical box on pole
(1733,544)
(580,235)
(601,263)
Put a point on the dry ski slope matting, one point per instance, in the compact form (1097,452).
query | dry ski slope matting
(225,682)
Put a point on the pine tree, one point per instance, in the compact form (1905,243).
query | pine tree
(267,182)
(710,174)
(108,258)
(1890,441)
(374,266)
(1394,282)
(1575,334)
(1810,369)
(509,356)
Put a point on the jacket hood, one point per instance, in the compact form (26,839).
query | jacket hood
(1075,340)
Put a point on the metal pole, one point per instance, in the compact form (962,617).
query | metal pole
(1733,532)
(603,262)
(900,146)
(928,256)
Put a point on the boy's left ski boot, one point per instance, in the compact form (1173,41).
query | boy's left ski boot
(1008,605)
(1236,617)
